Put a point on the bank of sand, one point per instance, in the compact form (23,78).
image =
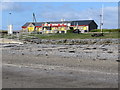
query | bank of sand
(8,41)
(41,65)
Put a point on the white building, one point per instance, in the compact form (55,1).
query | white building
(10,29)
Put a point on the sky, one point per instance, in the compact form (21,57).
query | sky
(21,12)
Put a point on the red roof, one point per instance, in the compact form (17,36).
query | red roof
(24,27)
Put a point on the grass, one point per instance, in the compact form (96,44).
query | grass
(106,30)
(111,34)
(75,36)
(8,36)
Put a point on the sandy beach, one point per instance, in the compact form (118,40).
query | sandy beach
(32,65)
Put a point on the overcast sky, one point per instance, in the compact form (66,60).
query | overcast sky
(21,12)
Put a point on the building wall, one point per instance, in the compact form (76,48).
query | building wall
(54,28)
(92,26)
(83,28)
(29,28)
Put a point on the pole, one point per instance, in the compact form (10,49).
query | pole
(100,23)
(102,16)
(101,20)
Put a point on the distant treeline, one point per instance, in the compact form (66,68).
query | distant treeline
(106,30)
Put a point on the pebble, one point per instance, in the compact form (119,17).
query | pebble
(108,52)
(118,60)
(23,54)
(71,51)
(75,41)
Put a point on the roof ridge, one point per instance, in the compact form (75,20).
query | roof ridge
(61,21)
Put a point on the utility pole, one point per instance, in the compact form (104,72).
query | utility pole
(101,20)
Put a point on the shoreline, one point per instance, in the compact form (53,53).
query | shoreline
(61,41)
(72,41)
(78,65)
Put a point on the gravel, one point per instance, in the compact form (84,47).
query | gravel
(82,61)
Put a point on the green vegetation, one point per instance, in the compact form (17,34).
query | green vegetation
(106,30)
(75,36)
(108,33)
(8,36)
(69,31)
